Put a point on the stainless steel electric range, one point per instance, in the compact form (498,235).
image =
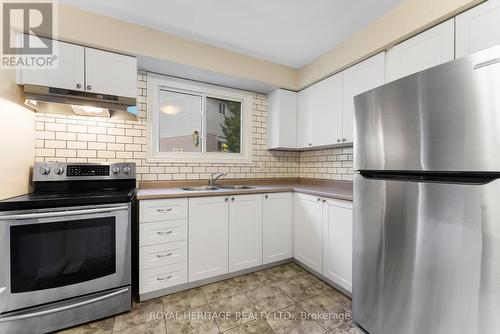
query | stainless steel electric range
(65,249)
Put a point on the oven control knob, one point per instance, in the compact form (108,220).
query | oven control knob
(44,170)
(126,170)
(115,170)
(59,170)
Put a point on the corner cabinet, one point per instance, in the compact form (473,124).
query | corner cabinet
(277,228)
(425,50)
(477,28)
(208,237)
(282,119)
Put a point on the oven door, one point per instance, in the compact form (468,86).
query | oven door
(50,255)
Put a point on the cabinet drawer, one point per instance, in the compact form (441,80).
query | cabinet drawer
(163,254)
(162,232)
(162,209)
(162,277)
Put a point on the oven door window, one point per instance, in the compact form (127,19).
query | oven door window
(50,255)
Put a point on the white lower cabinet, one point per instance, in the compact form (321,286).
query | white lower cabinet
(277,227)
(245,232)
(337,242)
(208,237)
(308,233)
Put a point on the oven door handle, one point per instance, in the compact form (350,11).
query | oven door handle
(62,308)
(61,213)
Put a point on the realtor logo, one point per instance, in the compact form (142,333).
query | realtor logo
(28,29)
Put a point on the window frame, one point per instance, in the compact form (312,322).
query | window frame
(157,82)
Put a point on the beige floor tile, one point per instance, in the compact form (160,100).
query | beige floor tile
(269,298)
(347,328)
(331,309)
(150,327)
(188,298)
(252,281)
(139,315)
(192,320)
(258,326)
(225,288)
(104,326)
(301,287)
(293,320)
(280,273)
(239,309)
(295,268)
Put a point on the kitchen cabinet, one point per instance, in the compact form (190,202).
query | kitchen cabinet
(477,28)
(277,226)
(425,50)
(337,242)
(110,73)
(208,237)
(245,231)
(358,79)
(282,119)
(86,69)
(69,73)
(320,113)
(308,231)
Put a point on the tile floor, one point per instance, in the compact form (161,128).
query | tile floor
(283,299)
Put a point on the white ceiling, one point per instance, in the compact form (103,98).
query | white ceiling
(288,32)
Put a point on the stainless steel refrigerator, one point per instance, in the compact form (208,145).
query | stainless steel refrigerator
(427,201)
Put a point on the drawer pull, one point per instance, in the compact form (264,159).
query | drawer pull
(163,255)
(164,233)
(162,279)
(164,210)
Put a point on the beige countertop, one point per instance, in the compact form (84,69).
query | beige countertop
(333,189)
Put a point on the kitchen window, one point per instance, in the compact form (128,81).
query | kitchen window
(194,122)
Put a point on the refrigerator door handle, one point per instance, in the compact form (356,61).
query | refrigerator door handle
(472,178)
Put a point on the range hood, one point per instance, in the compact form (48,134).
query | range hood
(65,101)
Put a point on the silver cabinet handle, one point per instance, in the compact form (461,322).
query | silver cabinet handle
(338,140)
(162,279)
(164,210)
(343,139)
(78,86)
(319,199)
(226,199)
(324,201)
(310,144)
(232,199)
(89,87)
(62,308)
(164,233)
(163,255)
(266,196)
(62,213)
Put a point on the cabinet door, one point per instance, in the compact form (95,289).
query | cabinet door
(282,119)
(277,227)
(358,79)
(208,237)
(245,232)
(110,73)
(428,49)
(69,73)
(304,118)
(308,232)
(477,28)
(337,242)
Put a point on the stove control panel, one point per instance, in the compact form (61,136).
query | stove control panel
(58,171)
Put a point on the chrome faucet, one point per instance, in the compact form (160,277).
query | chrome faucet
(214,177)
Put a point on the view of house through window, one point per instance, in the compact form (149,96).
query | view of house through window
(181,124)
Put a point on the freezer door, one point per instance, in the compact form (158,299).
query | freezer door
(446,118)
(426,257)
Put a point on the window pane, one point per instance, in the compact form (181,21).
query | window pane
(180,122)
(223,126)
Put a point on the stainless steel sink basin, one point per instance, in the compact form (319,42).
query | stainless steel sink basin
(202,188)
(236,187)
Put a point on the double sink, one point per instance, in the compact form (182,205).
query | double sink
(221,187)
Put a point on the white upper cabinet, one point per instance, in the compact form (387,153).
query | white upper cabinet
(110,73)
(308,231)
(69,74)
(337,242)
(282,119)
(245,232)
(427,49)
(277,227)
(477,29)
(320,113)
(208,237)
(358,79)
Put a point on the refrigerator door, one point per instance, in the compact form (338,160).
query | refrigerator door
(426,257)
(446,118)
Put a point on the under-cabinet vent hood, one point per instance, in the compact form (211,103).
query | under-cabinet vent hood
(65,101)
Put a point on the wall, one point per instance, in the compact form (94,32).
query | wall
(330,164)
(16,138)
(404,21)
(78,138)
